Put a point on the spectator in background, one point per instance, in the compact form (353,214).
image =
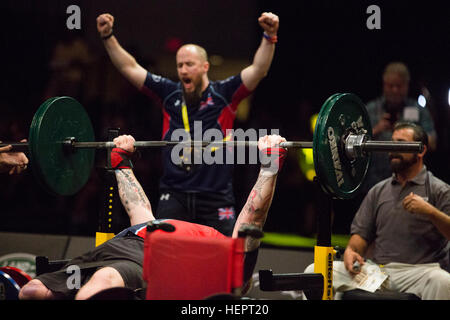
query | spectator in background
(394,105)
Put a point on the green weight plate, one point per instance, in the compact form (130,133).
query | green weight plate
(340,176)
(60,172)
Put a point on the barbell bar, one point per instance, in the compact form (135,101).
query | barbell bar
(69,144)
(356,145)
(61,145)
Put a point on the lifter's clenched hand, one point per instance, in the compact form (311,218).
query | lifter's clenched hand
(125,142)
(270,141)
(105,24)
(272,156)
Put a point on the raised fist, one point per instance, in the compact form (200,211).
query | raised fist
(270,23)
(105,24)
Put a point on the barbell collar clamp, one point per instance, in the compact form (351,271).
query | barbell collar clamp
(353,144)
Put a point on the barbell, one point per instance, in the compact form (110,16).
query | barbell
(61,145)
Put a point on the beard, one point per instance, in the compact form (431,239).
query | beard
(194,97)
(402,165)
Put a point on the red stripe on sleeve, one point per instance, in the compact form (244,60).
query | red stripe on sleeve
(241,93)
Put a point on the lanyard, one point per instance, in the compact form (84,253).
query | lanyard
(184,114)
(185,159)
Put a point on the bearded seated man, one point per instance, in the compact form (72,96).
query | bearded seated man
(405,222)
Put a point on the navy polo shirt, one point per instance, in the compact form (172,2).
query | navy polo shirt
(217,110)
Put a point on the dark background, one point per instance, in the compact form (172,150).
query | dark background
(324,47)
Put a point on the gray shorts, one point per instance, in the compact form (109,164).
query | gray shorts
(123,254)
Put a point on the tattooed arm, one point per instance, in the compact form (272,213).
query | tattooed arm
(256,208)
(131,193)
(258,202)
(133,197)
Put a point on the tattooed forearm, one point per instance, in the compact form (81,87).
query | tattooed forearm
(131,194)
(130,190)
(257,207)
(260,199)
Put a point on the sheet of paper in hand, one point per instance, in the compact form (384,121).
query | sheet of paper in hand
(370,278)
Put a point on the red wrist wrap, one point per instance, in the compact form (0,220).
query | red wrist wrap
(120,159)
(276,155)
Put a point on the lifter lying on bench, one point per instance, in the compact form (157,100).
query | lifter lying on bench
(118,262)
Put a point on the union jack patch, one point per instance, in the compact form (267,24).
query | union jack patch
(226,213)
